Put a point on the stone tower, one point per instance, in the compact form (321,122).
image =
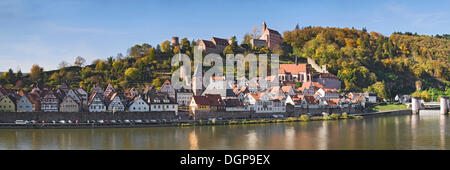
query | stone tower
(263,27)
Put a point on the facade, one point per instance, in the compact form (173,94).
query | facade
(27,103)
(272,37)
(96,103)
(184,97)
(209,102)
(168,89)
(161,102)
(264,103)
(138,105)
(83,96)
(7,104)
(310,88)
(215,45)
(69,104)
(115,103)
(50,102)
(293,73)
(234,105)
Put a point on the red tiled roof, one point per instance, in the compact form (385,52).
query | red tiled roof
(291,68)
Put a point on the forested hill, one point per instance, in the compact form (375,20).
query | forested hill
(388,65)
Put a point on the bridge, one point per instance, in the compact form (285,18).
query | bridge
(443,105)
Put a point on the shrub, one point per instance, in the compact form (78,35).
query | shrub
(334,116)
(325,116)
(344,115)
(304,118)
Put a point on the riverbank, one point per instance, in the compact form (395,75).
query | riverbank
(211,122)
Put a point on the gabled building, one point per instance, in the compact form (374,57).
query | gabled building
(96,103)
(109,91)
(7,103)
(27,103)
(184,97)
(50,102)
(162,102)
(309,88)
(83,96)
(264,103)
(293,73)
(138,105)
(168,89)
(209,102)
(69,104)
(215,45)
(115,103)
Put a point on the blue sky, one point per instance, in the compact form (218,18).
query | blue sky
(46,32)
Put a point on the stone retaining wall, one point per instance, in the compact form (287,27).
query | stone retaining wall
(83,116)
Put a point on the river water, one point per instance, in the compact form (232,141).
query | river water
(429,130)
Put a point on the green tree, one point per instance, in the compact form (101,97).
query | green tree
(35,72)
(165,47)
(132,73)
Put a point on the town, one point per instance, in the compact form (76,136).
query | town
(299,88)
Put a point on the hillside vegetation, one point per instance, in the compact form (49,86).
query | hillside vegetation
(399,64)
(387,65)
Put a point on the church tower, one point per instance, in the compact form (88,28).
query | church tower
(263,27)
(197,81)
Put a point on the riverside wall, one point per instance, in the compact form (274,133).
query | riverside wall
(8,117)
(290,112)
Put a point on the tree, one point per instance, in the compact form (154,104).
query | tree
(379,88)
(425,96)
(100,66)
(132,73)
(35,72)
(156,82)
(63,64)
(165,46)
(79,61)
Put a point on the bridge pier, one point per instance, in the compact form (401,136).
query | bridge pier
(444,105)
(415,105)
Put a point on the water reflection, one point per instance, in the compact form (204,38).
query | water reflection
(427,131)
(193,140)
(442,126)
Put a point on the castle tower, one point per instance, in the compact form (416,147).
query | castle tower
(263,27)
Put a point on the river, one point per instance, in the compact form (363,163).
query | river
(429,130)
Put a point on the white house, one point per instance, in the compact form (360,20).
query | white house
(96,103)
(138,105)
(264,103)
(184,96)
(162,102)
(115,103)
